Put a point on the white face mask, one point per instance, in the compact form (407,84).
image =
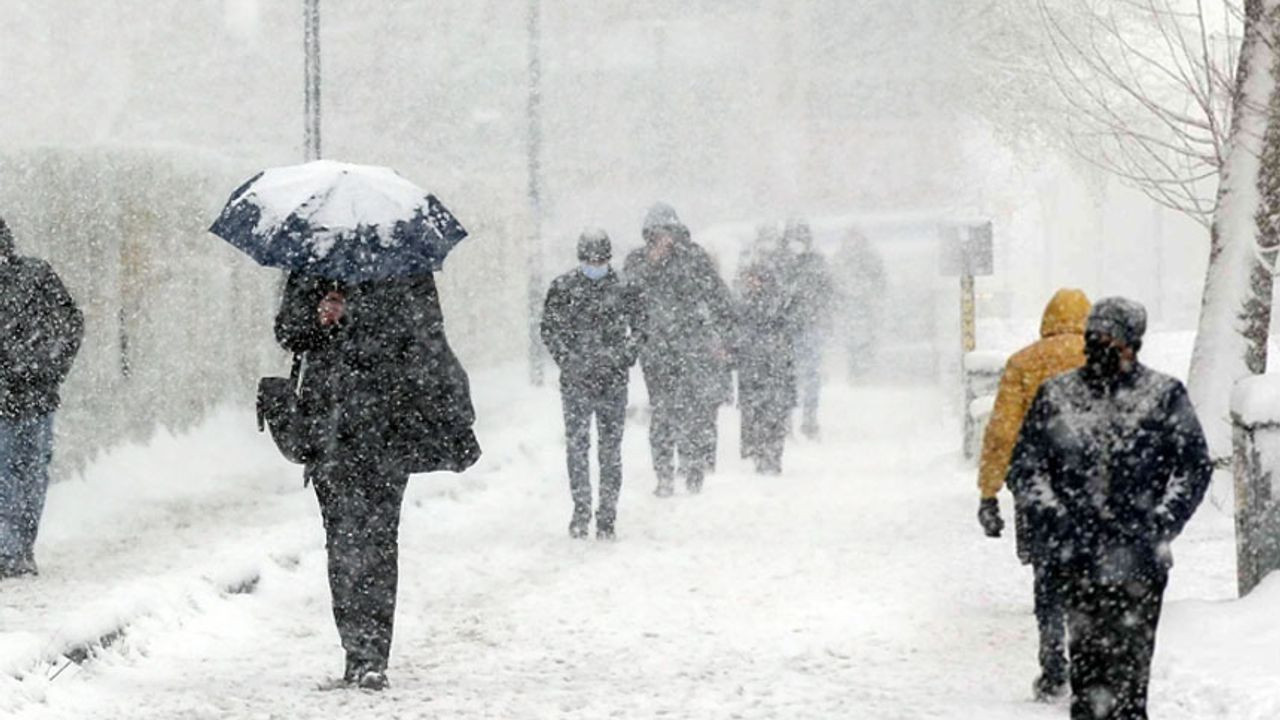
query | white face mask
(595,272)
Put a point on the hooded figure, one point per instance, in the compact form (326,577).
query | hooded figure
(765,355)
(808,282)
(590,327)
(386,397)
(1109,466)
(40,333)
(1059,349)
(687,326)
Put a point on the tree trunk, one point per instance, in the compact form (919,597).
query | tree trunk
(1235,314)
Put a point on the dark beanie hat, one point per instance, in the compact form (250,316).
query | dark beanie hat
(6,239)
(1121,318)
(661,217)
(594,246)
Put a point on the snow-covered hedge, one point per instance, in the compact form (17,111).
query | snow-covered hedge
(175,320)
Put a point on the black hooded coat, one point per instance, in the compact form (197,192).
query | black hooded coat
(687,321)
(383,383)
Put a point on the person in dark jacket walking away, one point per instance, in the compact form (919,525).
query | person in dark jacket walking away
(385,397)
(766,365)
(809,283)
(861,288)
(589,327)
(1110,464)
(40,333)
(687,323)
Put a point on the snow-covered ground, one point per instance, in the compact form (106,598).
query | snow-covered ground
(857,585)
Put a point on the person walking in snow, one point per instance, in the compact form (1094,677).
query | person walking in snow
(860,286)
(1111,463)
(40,334)
(589,325)
(384,396)
(766,365)
(687,321)
(808,282)
(1060,349)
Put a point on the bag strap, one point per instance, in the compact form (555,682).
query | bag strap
(295,373)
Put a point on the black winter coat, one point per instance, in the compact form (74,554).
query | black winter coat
(590,327)
(687,322)
(40,333)
(1109,471)
(384,381)
(765,351)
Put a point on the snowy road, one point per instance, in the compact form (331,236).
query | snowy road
(855,586)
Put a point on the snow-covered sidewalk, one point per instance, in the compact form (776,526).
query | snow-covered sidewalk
(857,585)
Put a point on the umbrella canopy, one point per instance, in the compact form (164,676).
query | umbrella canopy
(337,220)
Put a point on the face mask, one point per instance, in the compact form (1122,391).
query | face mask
(594,272)
(1106,359)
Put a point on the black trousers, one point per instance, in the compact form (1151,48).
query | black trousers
(683,423)
(608,405)
(360,505)
(1051,582)
(1112,628)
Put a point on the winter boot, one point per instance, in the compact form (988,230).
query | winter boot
(810,429)
(27,565)
(666,488)
(604,532)
(1049,689)
(374,680)
(693,481)
(580,522)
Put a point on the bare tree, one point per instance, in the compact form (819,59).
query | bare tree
(1150,87)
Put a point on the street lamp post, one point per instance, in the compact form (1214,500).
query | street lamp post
(536,357)
(311,42)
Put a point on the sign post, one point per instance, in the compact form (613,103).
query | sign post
(968,252)
(537,359)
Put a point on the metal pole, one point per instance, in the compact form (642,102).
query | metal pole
(311,41)
(536,358)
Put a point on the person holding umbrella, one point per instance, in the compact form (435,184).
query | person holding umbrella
(381,392)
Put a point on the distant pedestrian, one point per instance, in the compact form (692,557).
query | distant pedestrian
(766,365)
(1060,349)
(808,281)
(1111,463)
(687,324)
(590,327)
(40,333)
(385,397)
(861,284)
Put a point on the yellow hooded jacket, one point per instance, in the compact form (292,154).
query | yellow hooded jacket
(1060,349)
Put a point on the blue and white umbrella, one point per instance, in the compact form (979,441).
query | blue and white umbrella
(341,221)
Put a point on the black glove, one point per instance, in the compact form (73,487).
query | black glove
(989,517)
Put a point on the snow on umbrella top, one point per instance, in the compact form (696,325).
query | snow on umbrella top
(341,221)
